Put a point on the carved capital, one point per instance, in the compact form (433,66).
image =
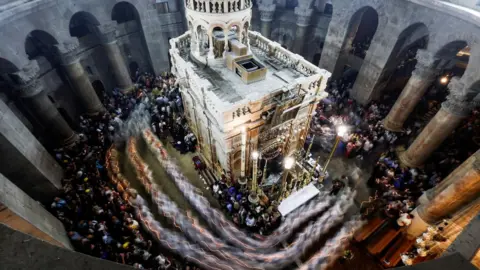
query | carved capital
(425,58)
(458,105)
(303,15)
(67,52)
(26,80)
(108,33)
(476,162)
(266,12)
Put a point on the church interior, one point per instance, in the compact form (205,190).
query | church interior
(240,134)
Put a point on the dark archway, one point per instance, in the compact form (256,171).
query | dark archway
(7,67)
(133,67)
(83,23)
(125,13)
(99,89)
(361,30)
(455,57)
(328,9)
(40,43)
(402,61)
(316,58)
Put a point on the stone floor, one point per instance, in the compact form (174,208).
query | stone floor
(357,171)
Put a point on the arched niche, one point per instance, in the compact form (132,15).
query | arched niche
(39,44)
(362,27)
(130,25)
(82,24)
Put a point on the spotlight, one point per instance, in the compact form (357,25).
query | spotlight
(444,80)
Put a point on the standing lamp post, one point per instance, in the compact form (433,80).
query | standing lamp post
(341,131)
(310,147)
(243,179)
(253,197)
(287,164)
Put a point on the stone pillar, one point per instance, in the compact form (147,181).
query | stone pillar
(78,79)
(464,189)
(33,95)
(447,181)
(422,77)
(320,4)
(108,38)
(303,20)
(266,16)
(451,114)
(25,161)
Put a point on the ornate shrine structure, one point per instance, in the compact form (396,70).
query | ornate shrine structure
(242,92)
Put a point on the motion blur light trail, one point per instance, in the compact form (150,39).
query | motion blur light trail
(218,247)
(233,249)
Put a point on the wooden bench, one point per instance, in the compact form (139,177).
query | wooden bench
(369,229)
(392,257)
(381,241)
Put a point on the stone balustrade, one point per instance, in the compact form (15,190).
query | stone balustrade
(289,59)
(218,6)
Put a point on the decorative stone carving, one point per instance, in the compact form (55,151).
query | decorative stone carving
(425,58)
(67,52)
(26,80)
(107,33)
(476,163)
(266,12)
(304,14)
(458,105)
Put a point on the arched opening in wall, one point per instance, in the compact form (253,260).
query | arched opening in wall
(99,89)
(234,32)
(328,9)
(218,41)
(82,24)
(291,4)
(126,15)
(133,67)
(452,62)
(203,42)
(67,117)
(40,45)
(401,62)
(361,30)
(316,59)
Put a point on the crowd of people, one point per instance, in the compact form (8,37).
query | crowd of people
(98,220)
(260,218)
(360,48)
(397,188)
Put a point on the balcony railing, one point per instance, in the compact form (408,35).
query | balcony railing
(218,6)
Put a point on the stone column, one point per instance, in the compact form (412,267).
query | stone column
(33,95)
(428,195)
(25,161)
(303,20)
(320,4)
(267,10)
(108,38)
(78,78)
(422,77)
(453,111)
(464,189)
